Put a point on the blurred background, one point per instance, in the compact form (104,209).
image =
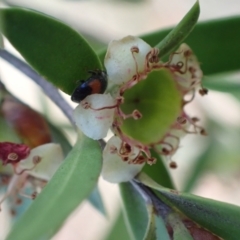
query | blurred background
(211,163)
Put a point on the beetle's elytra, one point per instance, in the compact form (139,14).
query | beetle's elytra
(96,83)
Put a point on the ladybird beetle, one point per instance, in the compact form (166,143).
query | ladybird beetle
(96,83)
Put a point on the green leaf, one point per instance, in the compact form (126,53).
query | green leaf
(95,199)
(158,172)
(161,230)
(72,183)
(135,211)
(52,48)
(180,32)
(216,51)
(119,230)
(58,137)
(220,218)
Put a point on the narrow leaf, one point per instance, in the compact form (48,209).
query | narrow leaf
(220,218)
(52,48)
(71,184)
(135,210)
(180,32)
(161,230)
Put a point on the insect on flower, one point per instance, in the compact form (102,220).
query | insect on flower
(143,106)
(96,83)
